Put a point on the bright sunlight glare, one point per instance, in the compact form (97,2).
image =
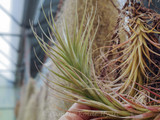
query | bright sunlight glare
(5,23)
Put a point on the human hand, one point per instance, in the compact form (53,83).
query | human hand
(75,116)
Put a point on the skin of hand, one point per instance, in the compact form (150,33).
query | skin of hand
(75,116)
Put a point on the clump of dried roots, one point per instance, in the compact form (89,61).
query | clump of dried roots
(134,62)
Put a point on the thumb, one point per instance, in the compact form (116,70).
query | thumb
(75,116)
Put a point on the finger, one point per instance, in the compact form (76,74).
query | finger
(70,115)
(76,107)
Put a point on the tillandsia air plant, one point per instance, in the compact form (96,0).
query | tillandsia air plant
(123,81)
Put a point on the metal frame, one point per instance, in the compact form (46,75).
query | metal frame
(9,34)
(11,16)
(9,44)
(6,56)
(6,79)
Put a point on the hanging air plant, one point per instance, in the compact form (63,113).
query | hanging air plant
(125,86)
(134,61)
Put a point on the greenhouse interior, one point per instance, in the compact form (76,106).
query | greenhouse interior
(79,59)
